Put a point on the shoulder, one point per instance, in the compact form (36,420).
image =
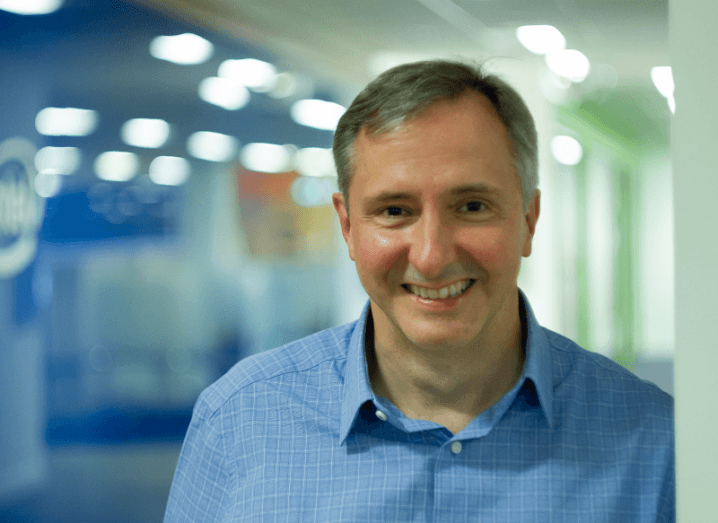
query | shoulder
(291,365)
(588,380)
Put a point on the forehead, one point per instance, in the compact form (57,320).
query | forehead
(451,140)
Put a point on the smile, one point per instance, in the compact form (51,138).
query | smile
(450,291)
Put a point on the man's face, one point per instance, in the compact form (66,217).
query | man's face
(436,226)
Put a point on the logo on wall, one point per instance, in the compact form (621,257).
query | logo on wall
(21,209)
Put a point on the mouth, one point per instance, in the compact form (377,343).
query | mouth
(450,291)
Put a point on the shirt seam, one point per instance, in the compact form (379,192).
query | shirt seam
(237,390)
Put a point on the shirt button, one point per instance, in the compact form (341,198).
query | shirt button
(381,415)
(456,447)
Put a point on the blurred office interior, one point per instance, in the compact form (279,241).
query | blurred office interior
(165,206)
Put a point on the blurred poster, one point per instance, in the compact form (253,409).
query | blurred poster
(276,225)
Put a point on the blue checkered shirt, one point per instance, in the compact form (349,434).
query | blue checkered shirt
(297,435)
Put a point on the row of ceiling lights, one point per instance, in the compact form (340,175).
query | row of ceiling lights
(188,48)
(572,65)
(228,90)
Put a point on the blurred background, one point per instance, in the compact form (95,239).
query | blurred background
(165,206)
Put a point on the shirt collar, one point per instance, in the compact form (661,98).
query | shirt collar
(538,365)
(357,390)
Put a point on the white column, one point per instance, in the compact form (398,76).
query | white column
(694,135)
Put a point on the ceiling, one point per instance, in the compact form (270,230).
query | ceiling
(339,39)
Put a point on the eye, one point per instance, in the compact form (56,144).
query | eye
(473,206)
(393,211)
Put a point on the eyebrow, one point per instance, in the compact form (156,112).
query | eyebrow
(478,188)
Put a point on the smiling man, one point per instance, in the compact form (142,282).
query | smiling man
(437,231)
(445,400)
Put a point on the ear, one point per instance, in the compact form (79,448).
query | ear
(341,207)
(531,218)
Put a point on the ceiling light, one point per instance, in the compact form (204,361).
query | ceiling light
(566,150)
(30,7)
(47,184)
(570,64)
(267,157)
(225,93)
(213,147)
(285,84)
(184,49)
(67,121)
(663,80)
(255,74)
(319,114)
(116,166)
(315,161)
(541,39)
(145,132)
(60,160)
(169,170)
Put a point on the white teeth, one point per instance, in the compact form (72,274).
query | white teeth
(445,292)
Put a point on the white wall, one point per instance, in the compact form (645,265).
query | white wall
(695,186)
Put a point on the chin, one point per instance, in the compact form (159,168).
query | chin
(442,337)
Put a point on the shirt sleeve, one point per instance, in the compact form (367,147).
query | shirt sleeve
(199,492)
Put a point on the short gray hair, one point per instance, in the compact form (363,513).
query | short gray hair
(401,93)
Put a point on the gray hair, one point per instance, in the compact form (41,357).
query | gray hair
(401,93)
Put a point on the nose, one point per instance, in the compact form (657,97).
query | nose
(433,245)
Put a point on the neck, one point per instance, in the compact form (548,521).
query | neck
(449,387)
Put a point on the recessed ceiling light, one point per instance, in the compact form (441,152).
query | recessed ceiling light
(541,39)
(267,157)
(116,166)
(319,114)
(183,49)
(169,170)
(60,160)
(66,121)
(30,7)
(254,74)
(663,80)
(566,150)
(315,161)
(47,184)
(285,84)
(145,132)
(224,93)
(570,64)
(213,147)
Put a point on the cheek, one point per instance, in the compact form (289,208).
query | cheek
(492,247)
(377,250)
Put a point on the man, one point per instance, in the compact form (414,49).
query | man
(445,400)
